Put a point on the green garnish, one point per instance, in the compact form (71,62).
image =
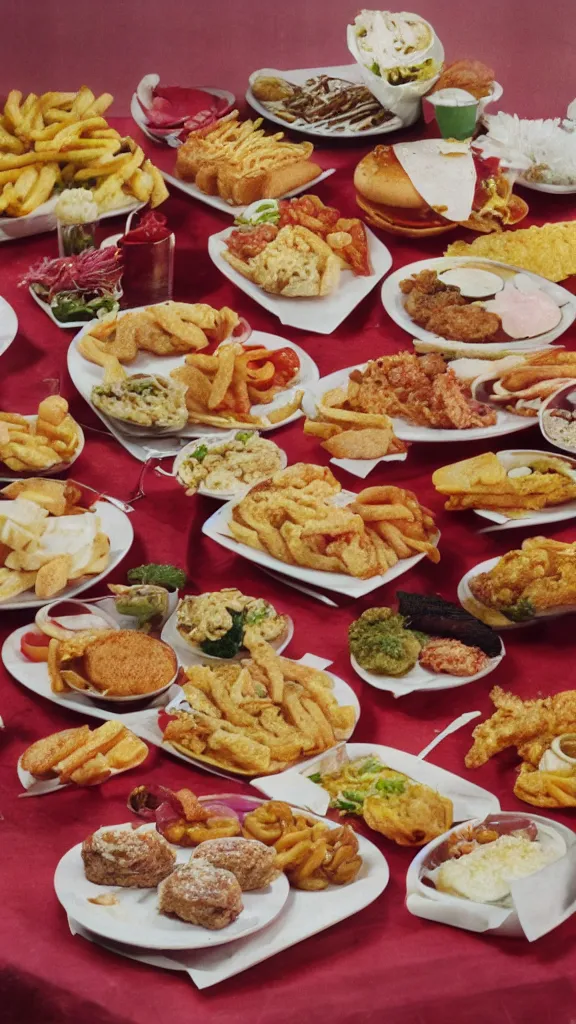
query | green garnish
(521,611)
(70,306)
(375,68)
(168,576)
(353,794)
(256,616)
(200,453)
(372,764)
(315,777)
(243,435)
(344,805)
(390,787)
(227,646)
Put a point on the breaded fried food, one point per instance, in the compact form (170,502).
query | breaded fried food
(296,263)
(411,818)
(421,305)
(42,756)
(539,576)
(464,323)
(128,663)
(420,389)
(546,788)
(528,725)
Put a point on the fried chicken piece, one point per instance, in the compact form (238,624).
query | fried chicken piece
(411,818)
(427,282)
(423,306)
(505,584)
(527,725)
(460,322)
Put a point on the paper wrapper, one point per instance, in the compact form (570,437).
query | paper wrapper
(363,467)
(541,902)
(403,100)
(294,787)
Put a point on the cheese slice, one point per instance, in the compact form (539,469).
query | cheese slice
(442,172)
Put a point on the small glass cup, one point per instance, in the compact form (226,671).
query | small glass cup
(456,113)
(75,238)
(148,275)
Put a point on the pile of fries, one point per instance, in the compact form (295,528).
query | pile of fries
(220,388)
(84,757)
(45,443)
(293,517)
(61,140)
(258,716)
(312,855)
(239,162)
(349,434)
(41,546)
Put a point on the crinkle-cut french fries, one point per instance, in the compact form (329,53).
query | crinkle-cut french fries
(61,139)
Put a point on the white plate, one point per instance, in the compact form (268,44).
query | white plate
(349,72)
(554,514)
(46,307)
(304,914)
(8,325)
(323,314)
(85,375)
(145,725)
(118,528)
(172,137)
(468,799)
(465,593)
(6,476)
(136,916)
(221,204)
(44,219)
(190,654)
(419,678)
(393,302)
(211,441)
(553,190)
(34,676)
(507,422)
(216,527)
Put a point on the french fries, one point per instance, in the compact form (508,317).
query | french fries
(42,444)
(349,434)
(62,138)
(83,757)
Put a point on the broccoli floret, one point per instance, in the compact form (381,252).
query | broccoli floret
(168,576)
(229,644)
(521,611)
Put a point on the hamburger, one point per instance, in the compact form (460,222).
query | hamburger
(418,189)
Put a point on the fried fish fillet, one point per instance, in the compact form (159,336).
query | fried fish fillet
(528,725)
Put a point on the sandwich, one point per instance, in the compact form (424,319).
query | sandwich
(417,189)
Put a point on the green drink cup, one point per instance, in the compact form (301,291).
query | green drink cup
(456,113)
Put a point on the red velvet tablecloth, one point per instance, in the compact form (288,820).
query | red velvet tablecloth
(382,964)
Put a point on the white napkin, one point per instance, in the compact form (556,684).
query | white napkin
(473,917)
(362,467)
(542,907)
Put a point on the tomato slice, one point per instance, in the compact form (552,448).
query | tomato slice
(34,646)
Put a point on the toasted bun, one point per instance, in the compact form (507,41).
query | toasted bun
(422,224)
(380,178)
